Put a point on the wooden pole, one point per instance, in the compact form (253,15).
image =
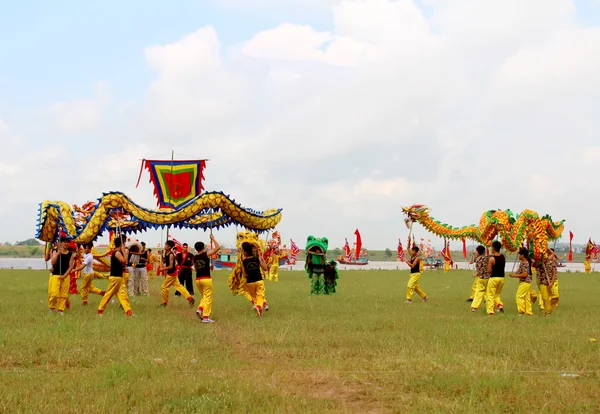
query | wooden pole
(170,185)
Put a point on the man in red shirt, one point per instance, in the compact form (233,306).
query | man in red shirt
(185,261)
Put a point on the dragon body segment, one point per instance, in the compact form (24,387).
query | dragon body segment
(116,210)
(514,231)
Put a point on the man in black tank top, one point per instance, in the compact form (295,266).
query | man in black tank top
(203,280)
(496,267)
(171,279)
(252,263)
(116,284)
(63,263)
(415,274)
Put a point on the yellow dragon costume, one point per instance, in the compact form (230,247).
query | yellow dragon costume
(115,210)
(513,230)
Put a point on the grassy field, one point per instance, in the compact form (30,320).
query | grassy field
(363,350)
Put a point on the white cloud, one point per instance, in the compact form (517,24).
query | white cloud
(465,106)
(81,115)
(302,43)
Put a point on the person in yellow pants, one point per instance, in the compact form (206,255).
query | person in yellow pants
(48,251)
(544,272)
(475,279)
(63,263)
(252,262)
(203,278)
(473,287)
(171,278)
(524,305)
(415,274)
(553,262)
(151,264)
(274,265)
(482,277)
(87,266)
(496,266)
(116,283)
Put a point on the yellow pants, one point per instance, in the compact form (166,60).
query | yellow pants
(492,294)
(255,292)
(274,272)
(116,287)
(540,296)
(524,305)
(50,291)
(166,286)
(545,298)
(205,287)
(554,294)
(479,292)
(87,287)
(474,287)
(413,287)
(59,292)
(533,295)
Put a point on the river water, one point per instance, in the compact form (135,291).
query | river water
(39,264)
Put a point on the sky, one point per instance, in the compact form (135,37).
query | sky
(339,112)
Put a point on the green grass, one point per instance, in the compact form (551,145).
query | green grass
(363,350)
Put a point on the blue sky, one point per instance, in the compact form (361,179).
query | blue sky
(57,49)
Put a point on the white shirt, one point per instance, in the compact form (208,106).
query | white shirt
(88,261)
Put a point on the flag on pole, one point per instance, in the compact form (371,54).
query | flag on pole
(175,182)
(358,244)
(570,246)
(400,251)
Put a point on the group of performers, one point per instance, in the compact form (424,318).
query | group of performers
(489,276)
(489,280)
(128,275)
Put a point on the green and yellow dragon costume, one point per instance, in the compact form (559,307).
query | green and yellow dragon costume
(323,275)
(514,231)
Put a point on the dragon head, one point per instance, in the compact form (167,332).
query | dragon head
(248,236)
(312,243)
(415,212)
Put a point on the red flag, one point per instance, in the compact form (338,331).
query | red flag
(400,251)
(570,246)
(358,244)
(464,248)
